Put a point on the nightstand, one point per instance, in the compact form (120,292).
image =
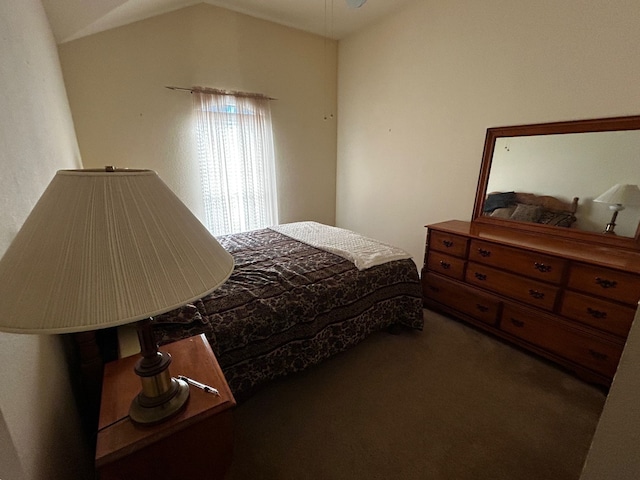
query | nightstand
(197,442)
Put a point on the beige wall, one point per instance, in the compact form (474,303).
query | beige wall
(418,91)
(416,94)
(40,436)
(125,117)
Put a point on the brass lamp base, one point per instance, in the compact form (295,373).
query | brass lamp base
(149,410)
(612,224)
(162,396)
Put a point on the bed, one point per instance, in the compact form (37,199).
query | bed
(289,304)
(529,207)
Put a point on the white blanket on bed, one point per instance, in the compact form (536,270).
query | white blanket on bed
(362,251)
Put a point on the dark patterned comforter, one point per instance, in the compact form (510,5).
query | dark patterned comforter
(288,306)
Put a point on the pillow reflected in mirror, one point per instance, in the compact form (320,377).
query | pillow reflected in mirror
(504,213)
(526,213)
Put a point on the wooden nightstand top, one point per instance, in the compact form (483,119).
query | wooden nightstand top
(118,436)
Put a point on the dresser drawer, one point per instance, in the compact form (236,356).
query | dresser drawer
(450,244)
(479,306)
(532,264)
(611,317)
(605,282)
(446,265)
(530,291)
(586,350)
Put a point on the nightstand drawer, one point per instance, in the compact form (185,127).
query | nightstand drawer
(590,351)
(448,243)
(480,306)
(598,313)
(530,291)
(532,264)
(446,265)
(605,282)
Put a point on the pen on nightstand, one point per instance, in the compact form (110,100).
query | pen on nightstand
(204,387)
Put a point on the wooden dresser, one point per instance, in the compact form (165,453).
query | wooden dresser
(568,301)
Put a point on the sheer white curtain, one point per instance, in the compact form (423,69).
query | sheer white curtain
(237,164)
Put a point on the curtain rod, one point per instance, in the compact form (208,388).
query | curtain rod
(222,92)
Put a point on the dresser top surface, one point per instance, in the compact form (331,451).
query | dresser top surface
(606,256)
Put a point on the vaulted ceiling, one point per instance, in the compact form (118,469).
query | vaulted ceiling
(72,19)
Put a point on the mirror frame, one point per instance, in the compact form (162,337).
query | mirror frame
(578,126)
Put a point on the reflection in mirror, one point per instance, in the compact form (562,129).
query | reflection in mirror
(566,166)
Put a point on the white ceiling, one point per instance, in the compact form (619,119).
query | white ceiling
(72,19)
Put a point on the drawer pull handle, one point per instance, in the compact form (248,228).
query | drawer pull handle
(517,323)
(447,243)
(482,308)
(541,267)
(536,294)
(484,253)
(445,265)
(606,283)
(596,313)
(598,355)
(434,289)
(480,276)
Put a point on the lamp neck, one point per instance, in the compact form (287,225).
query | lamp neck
(148,346)
(152,361)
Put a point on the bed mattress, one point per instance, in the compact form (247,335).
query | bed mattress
(289,305)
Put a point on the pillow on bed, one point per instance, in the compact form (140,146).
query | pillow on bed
(505,212)
(526,213)
(498,200)
(188,313)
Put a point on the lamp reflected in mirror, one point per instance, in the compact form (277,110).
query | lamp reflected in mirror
(618,197)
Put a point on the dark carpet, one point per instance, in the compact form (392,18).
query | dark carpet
(446,403)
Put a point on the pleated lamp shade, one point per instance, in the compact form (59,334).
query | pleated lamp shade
(106,248)
(619,194)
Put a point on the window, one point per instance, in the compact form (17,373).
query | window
(237,164)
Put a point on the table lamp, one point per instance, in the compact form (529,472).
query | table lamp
(618,197)
(103,248)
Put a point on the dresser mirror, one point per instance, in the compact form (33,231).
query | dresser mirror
(548,177)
